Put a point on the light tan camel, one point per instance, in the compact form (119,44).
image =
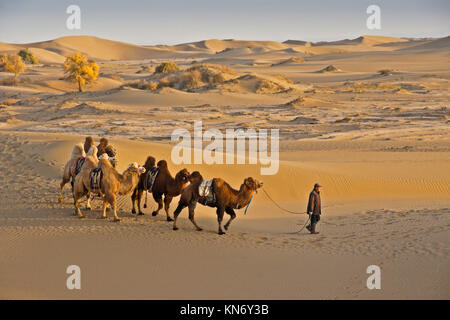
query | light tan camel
(69,169)
(111,183)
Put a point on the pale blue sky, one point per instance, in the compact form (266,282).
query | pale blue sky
(177,21)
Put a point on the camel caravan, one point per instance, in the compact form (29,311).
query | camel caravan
(91,171)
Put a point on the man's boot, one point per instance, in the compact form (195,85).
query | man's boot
(308,227)
(313,228)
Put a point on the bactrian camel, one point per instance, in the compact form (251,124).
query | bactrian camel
(226,198)
(111,184)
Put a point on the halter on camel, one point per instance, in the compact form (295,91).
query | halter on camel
(149,180)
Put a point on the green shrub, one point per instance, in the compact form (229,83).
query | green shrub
(28,57)
(167,67)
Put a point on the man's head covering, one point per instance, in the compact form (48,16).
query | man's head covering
(317,185)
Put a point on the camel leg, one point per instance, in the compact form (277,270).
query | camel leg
(232,214)
(220,211)
(139,197)
(158,199)
(133,200)
(191,217)
(105,204)
(176,213)
(77,195)
(62,185)
(77,201)
(114,207)
(167,201)
(88,203)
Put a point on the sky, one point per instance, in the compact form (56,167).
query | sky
(152,22)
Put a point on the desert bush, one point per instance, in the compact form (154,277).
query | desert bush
(330,68)
(218,67)
(166,82)
(28,57)
(385,72)
(3,59)
(267,86)
(80,69)
(190,80)
(284,78)
(167,67)
(152,85)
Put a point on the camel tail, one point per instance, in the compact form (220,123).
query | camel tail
(78,151)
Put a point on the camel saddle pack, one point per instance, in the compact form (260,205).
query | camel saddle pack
(150,178)
(96,179)
(206,193)
(78,164)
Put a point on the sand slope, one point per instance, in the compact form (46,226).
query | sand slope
(38,230)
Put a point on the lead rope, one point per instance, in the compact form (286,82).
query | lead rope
(245,212)
(288,211)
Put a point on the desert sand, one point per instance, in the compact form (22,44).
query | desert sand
(368,118)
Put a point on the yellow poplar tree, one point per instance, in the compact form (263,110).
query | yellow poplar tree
(3,60)
(80,69)
(15,65)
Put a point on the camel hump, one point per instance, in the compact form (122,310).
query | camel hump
(218,182)
(78,151)
(92,151)
(104,163)
(162,164)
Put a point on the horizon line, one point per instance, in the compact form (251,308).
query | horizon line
(229,39)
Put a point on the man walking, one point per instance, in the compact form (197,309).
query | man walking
(314,208)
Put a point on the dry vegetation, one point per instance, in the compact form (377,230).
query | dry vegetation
(214,76)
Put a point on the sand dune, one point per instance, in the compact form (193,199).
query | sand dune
(102,49)
(47,56)
(439,44)
(215,45)
(363,40)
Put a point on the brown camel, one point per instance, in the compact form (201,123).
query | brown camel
(76,159)
(141,187)
(167,186)
(101,148)
(111,183)
(226,199)
(104,147)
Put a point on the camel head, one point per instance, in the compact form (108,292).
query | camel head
(134,168)
(183,175)
(112,160)
(195,177)
(253,184)
(111,151)
(150,162)
(103,142)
